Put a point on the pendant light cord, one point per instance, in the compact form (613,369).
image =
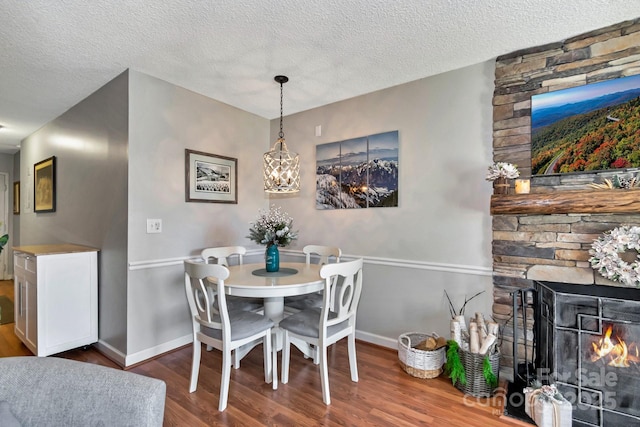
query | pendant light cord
(281,134)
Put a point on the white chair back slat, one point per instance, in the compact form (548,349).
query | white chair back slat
(343,306)
(201,294)
(326,253)
(223,254)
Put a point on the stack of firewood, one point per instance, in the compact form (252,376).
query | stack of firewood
(433,342)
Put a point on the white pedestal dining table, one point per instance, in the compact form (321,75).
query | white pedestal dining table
(293,278)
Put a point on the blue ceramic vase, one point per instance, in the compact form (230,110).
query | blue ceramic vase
(272,258)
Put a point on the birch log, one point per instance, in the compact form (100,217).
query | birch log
(462,322)
(493,328)
(488,343)
(456,333)
(474,338)
(482,328)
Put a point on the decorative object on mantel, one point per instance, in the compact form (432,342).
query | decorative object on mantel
(547,407)
(523,186)
(501,173)
(617,182)
(272,228)
(281,166)
(606,254)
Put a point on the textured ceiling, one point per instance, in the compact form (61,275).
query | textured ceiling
(56,53)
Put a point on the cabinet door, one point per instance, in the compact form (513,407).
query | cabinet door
(26,300)
(31,330)
(20,299)
(67,292)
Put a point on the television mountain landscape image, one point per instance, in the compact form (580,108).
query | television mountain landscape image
(593,127)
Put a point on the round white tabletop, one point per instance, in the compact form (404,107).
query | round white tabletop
(294,278)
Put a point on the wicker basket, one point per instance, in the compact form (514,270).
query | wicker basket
(419,363)
(476,384)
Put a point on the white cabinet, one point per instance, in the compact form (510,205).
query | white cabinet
(56,297)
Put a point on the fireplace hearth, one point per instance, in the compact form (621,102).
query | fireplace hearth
(587,343)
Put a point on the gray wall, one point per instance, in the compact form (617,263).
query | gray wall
(164,121)
(439,237)
(90,145)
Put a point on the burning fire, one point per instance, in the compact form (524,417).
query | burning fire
(619,355)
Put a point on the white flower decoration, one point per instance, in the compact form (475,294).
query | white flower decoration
(272,227)
(502,170)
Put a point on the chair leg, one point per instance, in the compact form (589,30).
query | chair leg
(266,354)
(353,364)
(324,374)
(195,365)
(224,380)
(236,359)
(316,358)
(275,362)
(286,354)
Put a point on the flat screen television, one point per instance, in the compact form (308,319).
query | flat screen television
(594,127)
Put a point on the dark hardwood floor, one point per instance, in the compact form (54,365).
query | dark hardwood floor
(384,396)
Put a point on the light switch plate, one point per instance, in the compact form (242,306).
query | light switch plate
(154,225)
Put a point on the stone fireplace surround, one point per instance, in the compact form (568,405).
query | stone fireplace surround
(546,235)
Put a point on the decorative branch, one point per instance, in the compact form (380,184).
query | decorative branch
(452,309)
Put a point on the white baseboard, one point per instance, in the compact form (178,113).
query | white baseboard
(141,356)
(127,360)
(377,339)
(111,352)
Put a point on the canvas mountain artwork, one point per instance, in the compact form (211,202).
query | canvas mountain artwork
(358,173)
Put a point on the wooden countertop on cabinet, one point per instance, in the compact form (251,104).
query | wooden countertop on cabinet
(62,248)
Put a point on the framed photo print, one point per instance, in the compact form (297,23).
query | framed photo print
(44,182)
(210,178)
(16,198)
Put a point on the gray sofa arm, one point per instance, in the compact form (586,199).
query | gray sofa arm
(49,391)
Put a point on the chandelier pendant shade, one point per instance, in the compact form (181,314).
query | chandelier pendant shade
(281,166)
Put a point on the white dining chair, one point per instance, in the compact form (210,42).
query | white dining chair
(326,326)
(232,255)
(324,255)
(224,330)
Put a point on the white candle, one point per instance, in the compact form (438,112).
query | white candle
(523,186)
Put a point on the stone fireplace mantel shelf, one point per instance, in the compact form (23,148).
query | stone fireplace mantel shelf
(566,202)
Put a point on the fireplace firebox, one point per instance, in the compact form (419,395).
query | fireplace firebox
(587,343)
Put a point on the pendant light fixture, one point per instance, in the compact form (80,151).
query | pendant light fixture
(281,166)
